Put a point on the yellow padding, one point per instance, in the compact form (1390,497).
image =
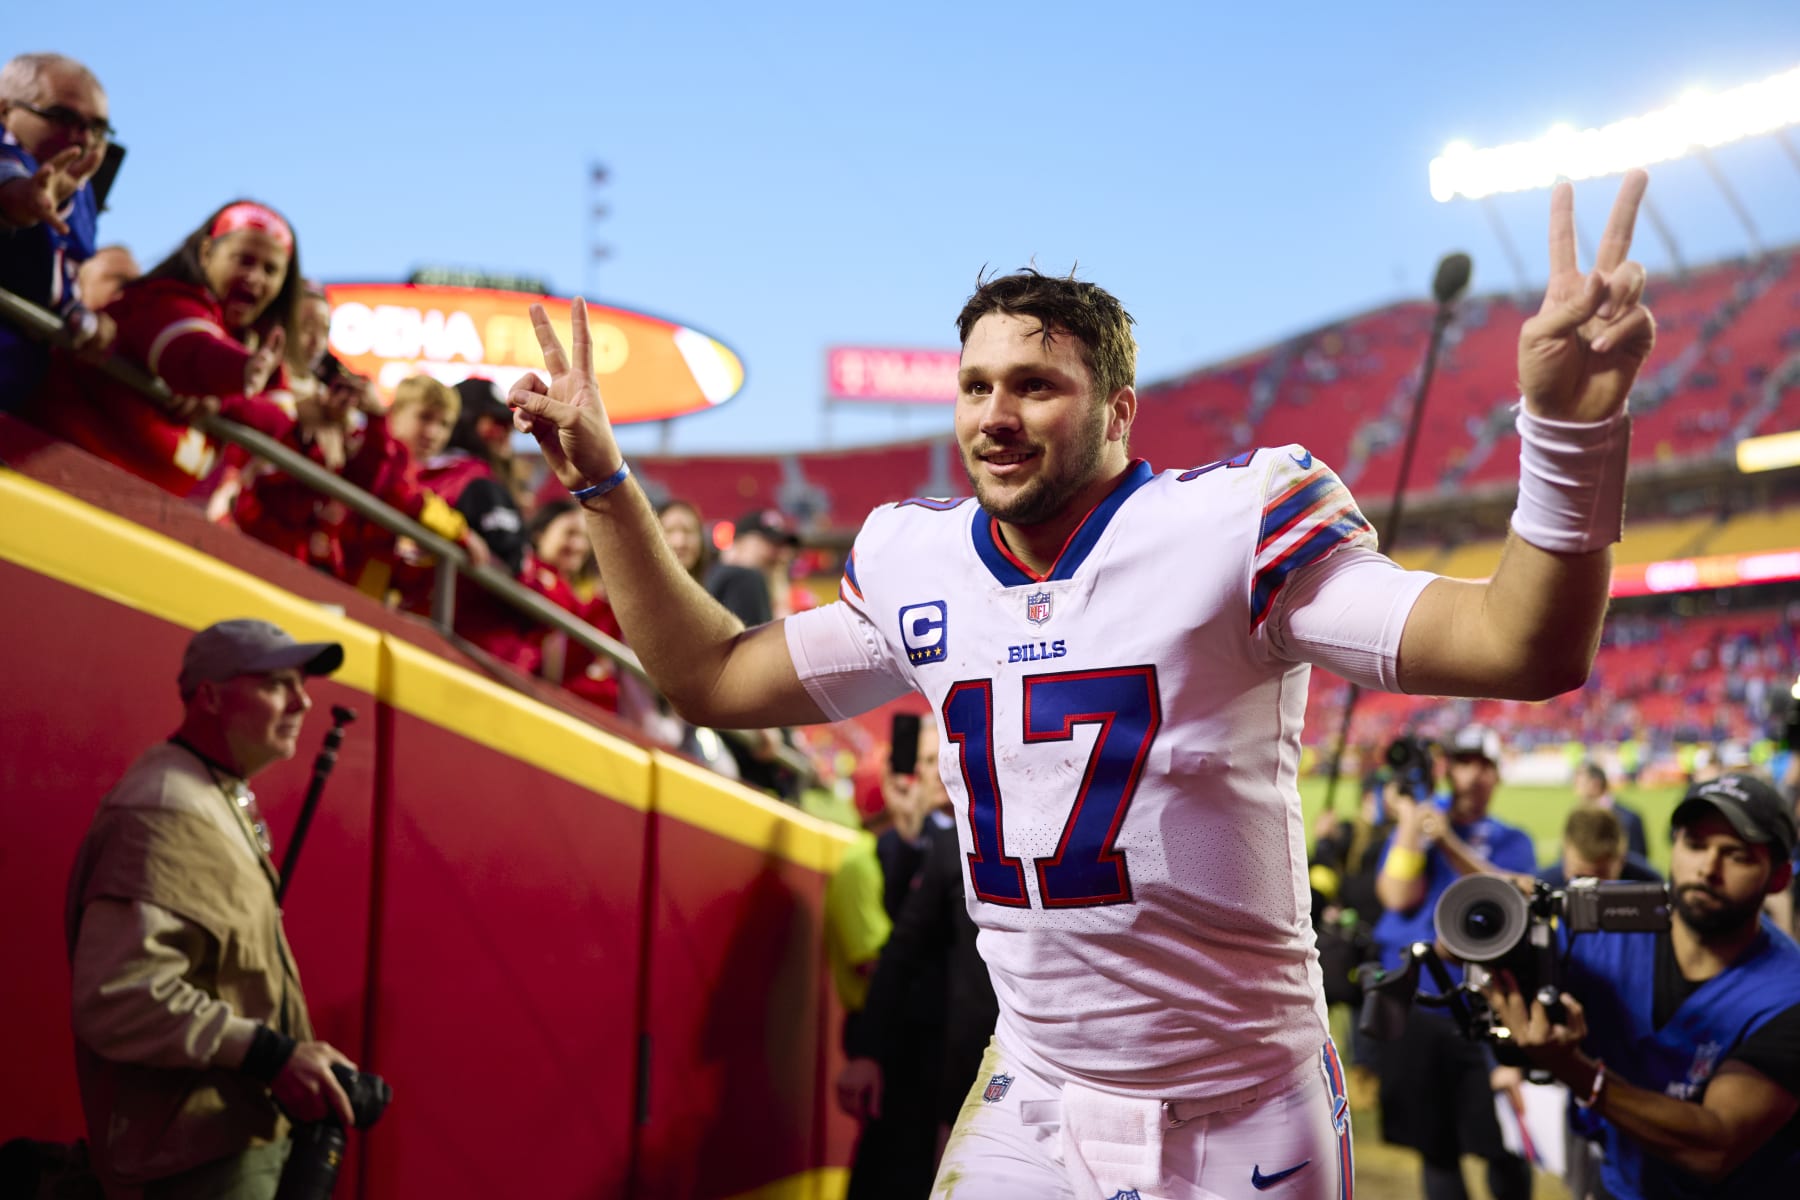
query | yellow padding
(421,683)
(822,1183)
(54,534)
(696,796)
(1755,532)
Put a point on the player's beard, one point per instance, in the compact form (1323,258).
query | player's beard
(1048,493)
(1723,917)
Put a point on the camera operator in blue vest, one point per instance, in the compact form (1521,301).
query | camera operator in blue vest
(1686,1044)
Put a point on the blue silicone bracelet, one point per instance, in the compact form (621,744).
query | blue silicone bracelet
(605,485)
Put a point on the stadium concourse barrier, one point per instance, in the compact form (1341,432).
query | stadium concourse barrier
(588,967)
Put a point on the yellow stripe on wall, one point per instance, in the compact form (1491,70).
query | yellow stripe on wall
(58,536)
(457,699)
(824,1183)
(695,795)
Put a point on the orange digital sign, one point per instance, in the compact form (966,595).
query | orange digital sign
(649,369)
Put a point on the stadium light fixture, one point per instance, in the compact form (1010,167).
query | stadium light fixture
(1769,453)
(1697,121)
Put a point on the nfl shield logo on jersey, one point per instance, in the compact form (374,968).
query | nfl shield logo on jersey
(1037,607)
(996,1088)
(1128,1194)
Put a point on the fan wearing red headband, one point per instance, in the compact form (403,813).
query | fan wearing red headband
(211,321)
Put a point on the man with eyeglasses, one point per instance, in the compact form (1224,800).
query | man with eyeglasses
(53,135)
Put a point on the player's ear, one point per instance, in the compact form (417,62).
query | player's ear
(1779,878)
(1121,411)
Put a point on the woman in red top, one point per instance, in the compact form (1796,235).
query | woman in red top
(210,320)
(560,567)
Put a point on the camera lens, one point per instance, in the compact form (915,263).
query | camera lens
(1484,920)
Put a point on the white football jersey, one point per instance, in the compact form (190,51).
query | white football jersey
(1121,740)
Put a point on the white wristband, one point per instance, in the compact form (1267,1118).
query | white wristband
(1571,482)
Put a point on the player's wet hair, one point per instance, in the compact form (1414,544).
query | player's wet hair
(1062,304)
(184,265)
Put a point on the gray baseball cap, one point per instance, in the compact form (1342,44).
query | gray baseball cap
(249,647)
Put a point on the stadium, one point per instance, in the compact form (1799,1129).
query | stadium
(685,1044)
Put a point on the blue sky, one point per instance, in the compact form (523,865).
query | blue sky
(788,176)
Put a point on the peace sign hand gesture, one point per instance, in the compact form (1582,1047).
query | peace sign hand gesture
(1580,354)
(567,417)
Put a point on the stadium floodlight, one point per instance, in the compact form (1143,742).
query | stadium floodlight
(1771,452)
(1698,121)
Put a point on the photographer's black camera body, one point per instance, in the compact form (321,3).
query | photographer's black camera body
(318,1150)
(1409,760)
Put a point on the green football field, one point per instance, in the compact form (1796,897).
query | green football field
(1539,811)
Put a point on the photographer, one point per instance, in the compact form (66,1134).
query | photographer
(190,1026)
(1436,1087)
(1686,1044)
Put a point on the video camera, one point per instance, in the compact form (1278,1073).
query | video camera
(1489,925)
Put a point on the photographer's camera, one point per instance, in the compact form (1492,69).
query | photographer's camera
(318,1149)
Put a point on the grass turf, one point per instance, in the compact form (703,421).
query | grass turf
(1539,811)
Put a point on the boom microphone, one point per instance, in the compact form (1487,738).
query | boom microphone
(1452,278)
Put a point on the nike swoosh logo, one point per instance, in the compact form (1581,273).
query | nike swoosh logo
(1303,461)
(1262,1182)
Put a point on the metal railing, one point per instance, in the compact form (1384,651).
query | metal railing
(452,560)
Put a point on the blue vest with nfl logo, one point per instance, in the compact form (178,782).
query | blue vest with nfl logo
(1613,975)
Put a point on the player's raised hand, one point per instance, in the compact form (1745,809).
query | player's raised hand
(566,416)
(1580,354)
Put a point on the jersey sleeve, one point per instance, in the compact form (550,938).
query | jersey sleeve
(848,667)
(179,340)
(1320,591)
(1347,614)
(1307,514)
(843,661)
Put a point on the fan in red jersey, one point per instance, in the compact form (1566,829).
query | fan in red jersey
(211,321)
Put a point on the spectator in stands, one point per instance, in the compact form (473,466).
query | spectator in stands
(686,534)
(309,347)
(1594,846)
(740,579)
(1436,1087)
(474,471)
(560,567)
(212,321)
(103,276)
(190,1024)
(361,447)
(53,135)
(1594,790)
(892,1078)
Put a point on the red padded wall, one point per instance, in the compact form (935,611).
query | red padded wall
(507,976)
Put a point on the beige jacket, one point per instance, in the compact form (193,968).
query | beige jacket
(177,952)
